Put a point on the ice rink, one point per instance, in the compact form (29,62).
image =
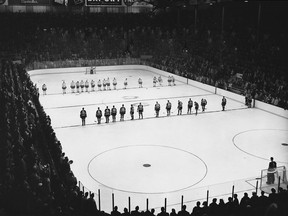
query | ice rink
(165,157)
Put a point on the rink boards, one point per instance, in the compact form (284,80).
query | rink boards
(187,154)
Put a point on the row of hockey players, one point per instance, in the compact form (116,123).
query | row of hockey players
(140,109)
(79,86)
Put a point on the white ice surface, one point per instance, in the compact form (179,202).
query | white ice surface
(188,154)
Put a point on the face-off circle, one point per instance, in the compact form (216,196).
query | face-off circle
(168,169)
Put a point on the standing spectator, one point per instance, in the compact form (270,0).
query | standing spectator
(115,212)
(163,212)
(83,116)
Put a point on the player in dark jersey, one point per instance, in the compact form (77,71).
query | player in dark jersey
(169,80)
(180,106)
(83,116)
(223,103)
(98,115)
(203,104)
(132,112)
(122,112)
(190,105)
(157,109)
(140,110)
(168,107)
(196,105)
(113,113)
(107,114)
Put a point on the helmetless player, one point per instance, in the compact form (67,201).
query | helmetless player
(223,103)
(114,83)
(132,112)
(64,87)
(107,114)
(122,112)
(203,104)
(72,86)
(168,107)
(140,111)
(113,113)
(98,115)
(190,105)
(44,89)
(157,108)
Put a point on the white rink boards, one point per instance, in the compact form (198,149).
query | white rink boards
(165,157)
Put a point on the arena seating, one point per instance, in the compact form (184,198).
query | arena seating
(35,175)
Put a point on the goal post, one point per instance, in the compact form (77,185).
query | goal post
(273,179)
(90,70)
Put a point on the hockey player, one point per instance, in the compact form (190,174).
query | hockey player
(108,84)
(99,84)
(92,85)
(180,106)
(160,80)
(86,85)
(203,104)
(72,86)
(157,108)
(190,105)
(44,89)
(125,83)
(98,115)
(140,110)
(154,81)
(168,107)
(173,80)
(77,86)
(82,85)
(122,112)
(104,84)
(83,116)
(132,112)
(113,113)
(107,114)
(196,105)
(64,87)
(169,80)
(223,103)
(114,83)
(140,82)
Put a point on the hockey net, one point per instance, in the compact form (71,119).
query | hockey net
(273,179)
(90,70)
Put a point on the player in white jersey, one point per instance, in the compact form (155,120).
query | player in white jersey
(44,89)
(99,84)
(125,83)
(140,82)
(114,83)
(86,85)
(72,86)
(160,80)
(92,85)
(82,85)
(64,87)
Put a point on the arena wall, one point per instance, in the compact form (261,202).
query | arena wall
(258,104)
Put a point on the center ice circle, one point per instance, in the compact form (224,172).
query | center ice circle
(123,169)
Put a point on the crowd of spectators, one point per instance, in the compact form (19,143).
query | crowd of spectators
(235,56)
(35,174)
